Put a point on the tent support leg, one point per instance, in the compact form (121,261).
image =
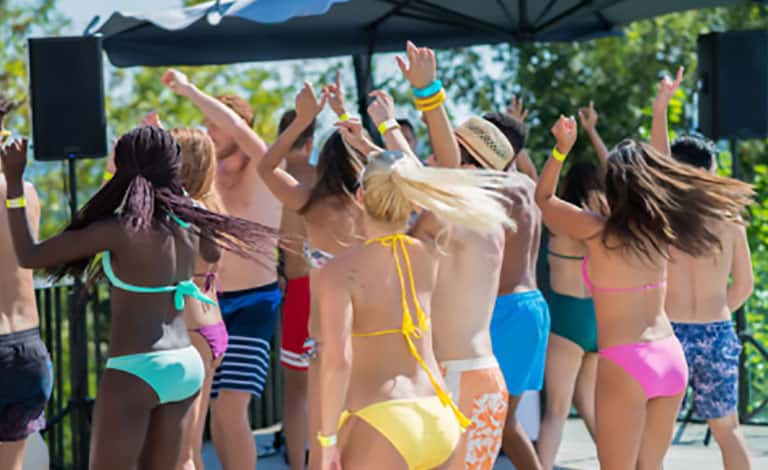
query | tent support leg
(362,64)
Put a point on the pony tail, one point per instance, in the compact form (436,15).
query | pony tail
(467,198)
(138,205)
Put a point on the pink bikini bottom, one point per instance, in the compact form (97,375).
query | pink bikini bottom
(216,337)
(658,366)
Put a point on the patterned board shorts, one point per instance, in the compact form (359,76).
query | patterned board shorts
(712,352)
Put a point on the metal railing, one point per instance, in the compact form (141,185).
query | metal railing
(75,329)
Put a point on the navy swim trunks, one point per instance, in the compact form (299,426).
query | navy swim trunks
(712,352)
(27,374)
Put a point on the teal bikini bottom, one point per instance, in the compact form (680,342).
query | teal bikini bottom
(174,374)
(573,319)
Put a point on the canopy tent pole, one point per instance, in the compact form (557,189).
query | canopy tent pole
(362,64)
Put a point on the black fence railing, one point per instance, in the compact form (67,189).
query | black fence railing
(78,365)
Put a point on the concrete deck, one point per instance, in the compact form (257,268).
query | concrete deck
(577,451)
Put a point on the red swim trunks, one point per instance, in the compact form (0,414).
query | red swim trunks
(295,324)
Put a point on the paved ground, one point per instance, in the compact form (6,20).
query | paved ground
(578,452)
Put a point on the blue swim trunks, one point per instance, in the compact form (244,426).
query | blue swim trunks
(712,352)
(27,374)
(519,333)
(250,316)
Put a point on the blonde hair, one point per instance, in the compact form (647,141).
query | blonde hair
(393,184)
(198,166)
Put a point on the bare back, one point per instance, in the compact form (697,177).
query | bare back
(465,294)
(565,270)
(158,257)
(697,288)
(521,249)
(334,224)
(18,309)
(245,195)
(382,366)
(634,314)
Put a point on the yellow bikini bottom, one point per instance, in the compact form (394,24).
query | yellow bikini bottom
(423,430)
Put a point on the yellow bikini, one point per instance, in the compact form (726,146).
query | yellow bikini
(425,431)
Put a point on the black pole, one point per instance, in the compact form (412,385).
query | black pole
(78,350)
(362,64)
(741,317)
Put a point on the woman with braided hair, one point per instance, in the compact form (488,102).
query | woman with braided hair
(150,233)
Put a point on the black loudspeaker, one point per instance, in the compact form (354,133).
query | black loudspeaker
(733,69)
(67,98)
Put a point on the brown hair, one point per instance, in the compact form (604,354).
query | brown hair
(286,120)
(198,166)
(338,172)
(239,105)
(656,202)
(584,186)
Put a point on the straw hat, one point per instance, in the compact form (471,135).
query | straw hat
(486,143)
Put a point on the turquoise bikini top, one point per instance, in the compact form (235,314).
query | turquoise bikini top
(180,290)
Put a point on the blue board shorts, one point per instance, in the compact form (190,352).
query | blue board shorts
(712,353)
(250,316)
(519,334)
(27,375)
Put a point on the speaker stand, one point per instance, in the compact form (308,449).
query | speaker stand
(80,404)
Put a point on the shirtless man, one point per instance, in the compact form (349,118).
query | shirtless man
(251,297)
(462,317)
(520,322)
(297,301)
(699,302)
(25,365)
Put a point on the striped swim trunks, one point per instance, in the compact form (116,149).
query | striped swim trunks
(251,317)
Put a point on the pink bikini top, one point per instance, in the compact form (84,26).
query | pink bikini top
(592,288)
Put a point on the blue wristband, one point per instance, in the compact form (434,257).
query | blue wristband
(432,89)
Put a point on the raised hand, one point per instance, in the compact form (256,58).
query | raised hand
(354,134)
(151,119)
(421,68)
(588,117)
(14,159)
(564,131)
(667,88)
(382,107)
(307,104)
(516,109)
(336,96)
(176,81)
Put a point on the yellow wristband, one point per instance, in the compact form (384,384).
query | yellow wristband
(344,117)
(326,441)
(560,157)
(439,96)
(387,126)
(424,109)
(108,175)
(16,203)
(4,135)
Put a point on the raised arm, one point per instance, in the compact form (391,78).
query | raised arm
(588,117)
(67,246)
(354,134)
(659,126)
(560,216)
(219,113)
(516,109)
(742,278)
(421,73)
(336,100)
(284,186)
(334,308)
(382,113)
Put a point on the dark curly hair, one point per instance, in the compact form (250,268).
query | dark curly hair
(696,151)
(147,188)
